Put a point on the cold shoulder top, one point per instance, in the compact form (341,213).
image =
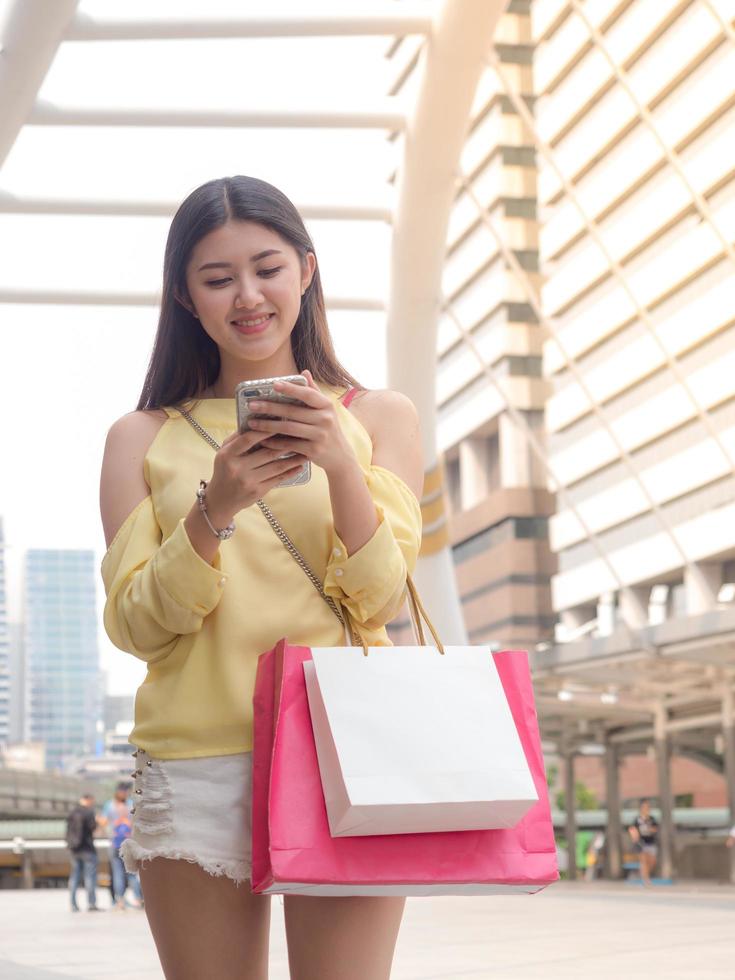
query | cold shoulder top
(200,627)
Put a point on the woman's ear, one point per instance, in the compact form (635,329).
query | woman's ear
(308,272)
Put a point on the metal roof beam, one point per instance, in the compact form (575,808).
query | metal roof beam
(16,204)
(557,660)
(712,719)
(382,115)
(377,19)
(591,708)
(32,33)
(73,297)
(695,723)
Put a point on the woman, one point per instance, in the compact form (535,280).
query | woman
(644,832)
(242,299)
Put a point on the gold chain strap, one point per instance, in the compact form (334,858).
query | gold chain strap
(286,541)
(300,560)
(416,608)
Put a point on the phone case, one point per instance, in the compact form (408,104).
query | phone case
(262,389)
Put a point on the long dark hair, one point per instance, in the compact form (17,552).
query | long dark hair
(185,360)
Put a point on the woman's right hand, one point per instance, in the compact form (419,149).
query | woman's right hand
(243,473)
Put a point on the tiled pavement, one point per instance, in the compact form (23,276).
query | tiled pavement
(569,931)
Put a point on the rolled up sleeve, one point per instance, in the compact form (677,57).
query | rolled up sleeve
(157,591)
(371,582)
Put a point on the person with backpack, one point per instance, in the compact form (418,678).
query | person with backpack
(117,819)
(81,824)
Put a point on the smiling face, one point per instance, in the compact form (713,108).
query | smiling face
(248,303)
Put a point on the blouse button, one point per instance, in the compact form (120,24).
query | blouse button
(336,552)
(338,571)
(222,582)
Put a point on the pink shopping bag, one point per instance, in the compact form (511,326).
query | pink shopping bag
(293,852)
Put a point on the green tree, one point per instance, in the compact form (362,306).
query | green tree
(584,798)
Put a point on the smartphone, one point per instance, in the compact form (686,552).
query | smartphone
(263,390)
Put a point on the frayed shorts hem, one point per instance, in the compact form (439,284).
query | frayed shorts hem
(133,855)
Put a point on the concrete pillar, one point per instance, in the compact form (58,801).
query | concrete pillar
(454,485)
(658,604)
(633,606)
(519,466)
(663,756)
(432,149)
(477,469)
(613,842)
(606,614)
(728,739)
(26,866)
(570,803)
(702,582)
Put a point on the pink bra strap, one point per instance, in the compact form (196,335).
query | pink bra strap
(348,396)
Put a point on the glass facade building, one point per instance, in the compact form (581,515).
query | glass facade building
(62,658)
(636,185)
(588,436)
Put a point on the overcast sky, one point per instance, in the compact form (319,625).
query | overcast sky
(67,372)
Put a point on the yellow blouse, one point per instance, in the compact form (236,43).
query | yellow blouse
(201,627)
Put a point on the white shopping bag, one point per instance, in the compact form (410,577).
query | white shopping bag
(410,740)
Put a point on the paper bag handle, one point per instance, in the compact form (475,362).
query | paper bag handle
(415,606)
(414,602)
(417,610)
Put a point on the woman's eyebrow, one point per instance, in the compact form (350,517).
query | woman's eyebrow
(228,265)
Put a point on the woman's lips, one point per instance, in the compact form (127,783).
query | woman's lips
(258,328)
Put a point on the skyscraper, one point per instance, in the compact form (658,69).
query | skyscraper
(62,659)
(4,650)
(17,665)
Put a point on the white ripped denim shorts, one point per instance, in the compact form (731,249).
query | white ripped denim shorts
(196,810)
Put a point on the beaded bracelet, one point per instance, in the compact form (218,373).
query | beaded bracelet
(225,532)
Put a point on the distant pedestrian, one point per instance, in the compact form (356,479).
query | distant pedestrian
(730,842)
(80,827)
(644,831)
(117,821)
(593,862)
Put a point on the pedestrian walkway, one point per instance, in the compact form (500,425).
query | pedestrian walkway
(569,931)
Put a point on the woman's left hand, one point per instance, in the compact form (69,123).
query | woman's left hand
(312,429)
